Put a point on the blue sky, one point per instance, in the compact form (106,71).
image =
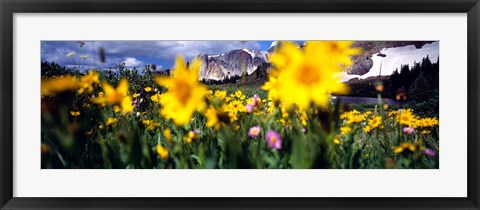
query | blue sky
(137,53)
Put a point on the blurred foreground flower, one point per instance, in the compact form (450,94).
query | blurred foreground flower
(309,75)
(185,94)
(118,96)
(51,87)
(87,82)
(212,118)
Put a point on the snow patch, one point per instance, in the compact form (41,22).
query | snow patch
(398,56)
(274,43)
(249,52)
(344,77)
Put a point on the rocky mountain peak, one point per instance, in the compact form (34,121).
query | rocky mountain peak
(231,63)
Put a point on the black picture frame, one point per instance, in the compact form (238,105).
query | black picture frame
(10,7)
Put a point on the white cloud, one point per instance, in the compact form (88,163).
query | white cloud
(191,49)
(131,62)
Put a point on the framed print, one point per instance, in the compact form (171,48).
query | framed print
(245,105)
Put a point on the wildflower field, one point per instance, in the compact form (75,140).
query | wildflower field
(98,120)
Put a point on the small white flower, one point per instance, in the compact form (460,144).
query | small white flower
(70,54)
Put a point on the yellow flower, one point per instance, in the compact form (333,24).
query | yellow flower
(136,95)
(373,123)
(150,124)
(272,86)
(220,94)
(309,75)
(271,107)
(426,122)
(284,122)
(345,130)
(432,121)
(355,119)
(238,94)
(367,113)
(162,151)
(424,125)
(336,140)
(303,118)
(338,52)
(353,116)
(233,108)
(116,109)
(87,82)
(53,86)
(393,113)
(284,111)
(367,129)
(426,132)
(118,96)
(212,118)
(185,94)
(406,117)
(127,105)
(148,89)
(75,113)
(167,134)
(209,94)
(190,136)
(405,147)
(156,98)
(347,115)
(111,121)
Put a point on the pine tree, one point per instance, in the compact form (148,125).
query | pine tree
(420,89)
(405,76)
